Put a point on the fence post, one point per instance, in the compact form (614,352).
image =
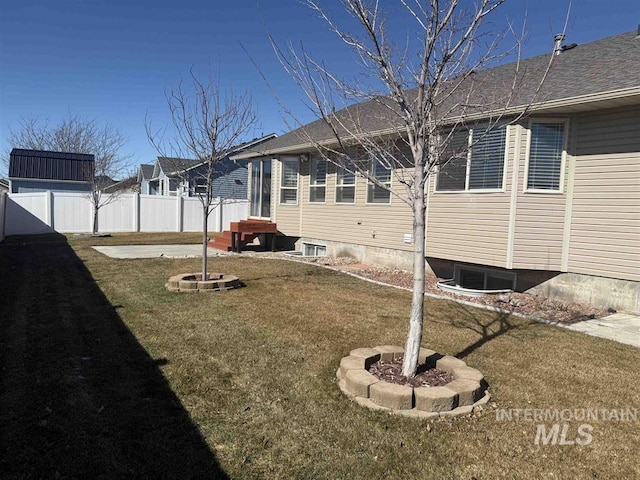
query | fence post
(179,208)
(136,212)
(220,215)
(49,209)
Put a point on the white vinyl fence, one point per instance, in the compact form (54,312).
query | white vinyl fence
(70,212)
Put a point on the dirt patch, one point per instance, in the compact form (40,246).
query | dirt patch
(425,377)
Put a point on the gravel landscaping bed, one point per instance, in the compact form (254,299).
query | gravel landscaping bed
(523,303)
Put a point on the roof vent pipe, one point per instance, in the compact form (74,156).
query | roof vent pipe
(558,39)
(638,31)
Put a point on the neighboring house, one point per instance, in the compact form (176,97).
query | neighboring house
(145,173)
(128,185)
(4,185)
(556,208)
(179,176)
(39,171)
(168,175)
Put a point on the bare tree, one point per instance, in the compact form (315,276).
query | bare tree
(75,134)
(426,93)
(207,126)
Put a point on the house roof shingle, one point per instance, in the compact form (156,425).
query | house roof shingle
(171,165)
(146,171)
(606,65)
(125,184)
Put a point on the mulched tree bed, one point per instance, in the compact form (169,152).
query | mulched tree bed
(425,377)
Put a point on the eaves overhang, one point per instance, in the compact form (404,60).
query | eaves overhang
(579,103)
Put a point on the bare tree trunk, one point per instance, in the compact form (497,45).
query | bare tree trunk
(95,220)
(205,218)
(433,95)
(414,337)
(208,126)
(416,317)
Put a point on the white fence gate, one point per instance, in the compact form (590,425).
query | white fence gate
(69,212)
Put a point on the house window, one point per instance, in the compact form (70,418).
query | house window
(482,168)
(478,278)
(345,186)
(312,250)
(546,147)
(318,180)
(173,186)
(289,181)
(377,193)
(200,186)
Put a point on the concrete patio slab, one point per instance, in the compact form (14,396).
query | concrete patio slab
(155,251)
(620,327)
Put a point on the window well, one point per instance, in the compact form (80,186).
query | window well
(478,281)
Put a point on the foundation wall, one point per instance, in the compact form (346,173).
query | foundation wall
(603,292)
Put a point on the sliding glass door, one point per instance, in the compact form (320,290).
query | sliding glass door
(261,188)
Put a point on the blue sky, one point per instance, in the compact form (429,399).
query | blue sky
(112,59)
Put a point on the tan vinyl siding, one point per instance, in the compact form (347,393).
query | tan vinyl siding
(605,220)
(355,223)
(468,229)
(599,234)
(287,217)
(471,227)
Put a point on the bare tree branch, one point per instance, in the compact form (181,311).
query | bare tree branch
(423,106)
(75,134)
(207,126)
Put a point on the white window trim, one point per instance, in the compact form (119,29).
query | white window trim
(296,188)
(466,190)
(369,182)
(315,246)
(194,188)
(313,160)
(563,161)
(342,185)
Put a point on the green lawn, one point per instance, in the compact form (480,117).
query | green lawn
(106,374)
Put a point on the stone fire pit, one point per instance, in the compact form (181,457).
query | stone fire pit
(466,391)
(193,282)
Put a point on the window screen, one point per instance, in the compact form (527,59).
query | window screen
(545,156)
(487,158)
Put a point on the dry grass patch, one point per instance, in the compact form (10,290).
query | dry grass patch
(255,370)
